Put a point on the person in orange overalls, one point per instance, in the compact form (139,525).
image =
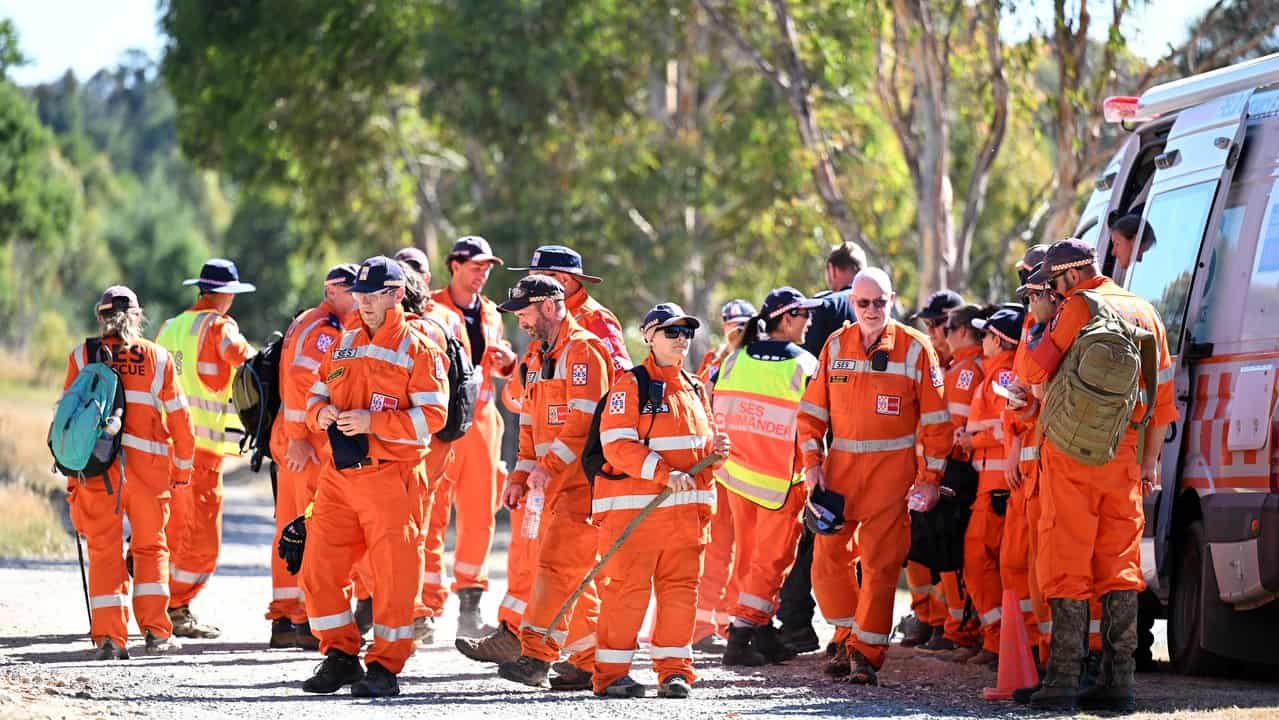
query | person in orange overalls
(437,325)
(158,448)
(984,438)
(716,593)
(1090,530)
(928,599)
(298,452)
(649,443)
(383,394)
(471,482)
(878,388)
(213,348)
(557,408)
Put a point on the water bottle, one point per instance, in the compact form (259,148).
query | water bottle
(533,505)
(110,428)
(916,500)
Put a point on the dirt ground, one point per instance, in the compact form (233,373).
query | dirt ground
(45,669)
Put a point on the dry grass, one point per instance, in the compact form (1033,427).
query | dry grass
(28,525)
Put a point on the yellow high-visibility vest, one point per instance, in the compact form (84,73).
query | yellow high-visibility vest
(217,425)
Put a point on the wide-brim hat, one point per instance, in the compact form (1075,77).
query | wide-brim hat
(220,276)
(557,258)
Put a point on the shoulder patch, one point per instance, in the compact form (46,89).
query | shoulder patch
(617,403)
(323,342)
(965,380)
(935,373)
(580,373)
(1005,378)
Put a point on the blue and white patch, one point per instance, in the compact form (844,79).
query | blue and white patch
(617,403)
(580,373)
(344,354)
(323,343)
(1005,378)
(965,380)
(935,373)
(842,364)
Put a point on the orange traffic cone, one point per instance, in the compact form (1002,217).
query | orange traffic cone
(1016,666)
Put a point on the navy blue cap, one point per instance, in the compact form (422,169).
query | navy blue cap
(666,315)
(378,273)
(557,258)
(342,274)
(220,276)
(414,258)
(1062,256)
(824,511)
(737,311)
(532,289)
(938,305)
(473,247)
(1005,323)
(1034,255)
(786,298)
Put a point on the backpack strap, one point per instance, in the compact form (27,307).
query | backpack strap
(94,351)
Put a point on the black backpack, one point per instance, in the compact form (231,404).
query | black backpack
(593,461)
(255,393)
(464,387)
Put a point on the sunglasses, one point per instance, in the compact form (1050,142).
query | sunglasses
(678,331)
(879,303)
(797,312)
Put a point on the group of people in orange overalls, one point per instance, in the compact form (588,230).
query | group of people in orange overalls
(720,492)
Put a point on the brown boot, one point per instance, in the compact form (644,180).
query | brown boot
(186,625)
(1114,689)
(1060,687)
(500,646)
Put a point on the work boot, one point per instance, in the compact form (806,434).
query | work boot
(377,682)
(284,634)
(305,638)
(985,657)
(675,686)
(160,646)
(108,651)
(713,644)
(364,615)
(839,665)
(914,631)
(800,638)
(964,653)
(938,642)
(1022,696)
(469,622)
(860,671)
(526,670)
(770,645)
(186,625)
(338,669)
(623,687)
(832,649)
(1060,686)
(501,646)
(567,676)
(1114,689)
(739,651)
(424,630)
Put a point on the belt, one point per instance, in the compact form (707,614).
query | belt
(366,462)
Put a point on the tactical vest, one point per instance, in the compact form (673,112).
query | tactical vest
(756,403)
(216,423)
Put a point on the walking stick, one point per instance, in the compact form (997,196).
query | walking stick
(84,582)
(621,539)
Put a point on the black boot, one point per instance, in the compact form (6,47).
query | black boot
(739,650)
(1113,691)
(364,615)
(713,644)
(914,631)
(838,665)
(800,638)
(469,622)
(107,650)
(377,682)
(526,670)
(306,639)
(283,634)
(567,676)
(1060,687)
(769,644)
(338,669)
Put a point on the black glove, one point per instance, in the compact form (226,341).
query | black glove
(293,543)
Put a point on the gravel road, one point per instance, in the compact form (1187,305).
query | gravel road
(45,670)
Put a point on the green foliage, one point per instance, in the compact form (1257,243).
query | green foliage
(51,342)
(10,54)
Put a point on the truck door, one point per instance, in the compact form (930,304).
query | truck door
(1191,182)
(1106,191)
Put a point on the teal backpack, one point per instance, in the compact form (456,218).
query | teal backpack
(85,435)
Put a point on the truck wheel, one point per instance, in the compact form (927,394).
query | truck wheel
(1186,616)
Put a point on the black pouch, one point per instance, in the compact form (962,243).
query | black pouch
(999,501)
(961,479)
(348,450)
